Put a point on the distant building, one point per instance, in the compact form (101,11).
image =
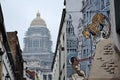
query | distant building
(37,52)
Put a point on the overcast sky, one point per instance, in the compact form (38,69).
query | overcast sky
(18,15)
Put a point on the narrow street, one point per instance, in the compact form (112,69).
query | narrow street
(63,40)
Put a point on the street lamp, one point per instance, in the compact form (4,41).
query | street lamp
(7,77)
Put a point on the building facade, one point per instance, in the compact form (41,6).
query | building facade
(6,60)
(115,22)
(73,16)
(37,50)
(72,45)
(70,21)
(106,61)
(16,54)
(89,9)
(59,61)
(10,67)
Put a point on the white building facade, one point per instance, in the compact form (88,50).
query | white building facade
(7,68)
(59,61)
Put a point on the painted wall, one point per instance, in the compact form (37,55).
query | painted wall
(89,9)
(73,7)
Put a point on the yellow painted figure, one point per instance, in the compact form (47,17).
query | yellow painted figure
(99,21)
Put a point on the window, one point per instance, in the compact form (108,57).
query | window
(107,2)
(84,53)
(36,43)
(44,77)
(102,4)
(64,78)
(30,43)
(49,77)
(84,17)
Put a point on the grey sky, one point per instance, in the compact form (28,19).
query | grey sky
(18,15)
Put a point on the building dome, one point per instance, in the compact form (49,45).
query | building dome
(38,21)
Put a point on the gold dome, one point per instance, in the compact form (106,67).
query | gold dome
(38,21)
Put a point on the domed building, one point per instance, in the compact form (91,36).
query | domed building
(37,51)
(38,37)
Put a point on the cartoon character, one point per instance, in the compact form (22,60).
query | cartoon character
(79,74)
(99,23)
